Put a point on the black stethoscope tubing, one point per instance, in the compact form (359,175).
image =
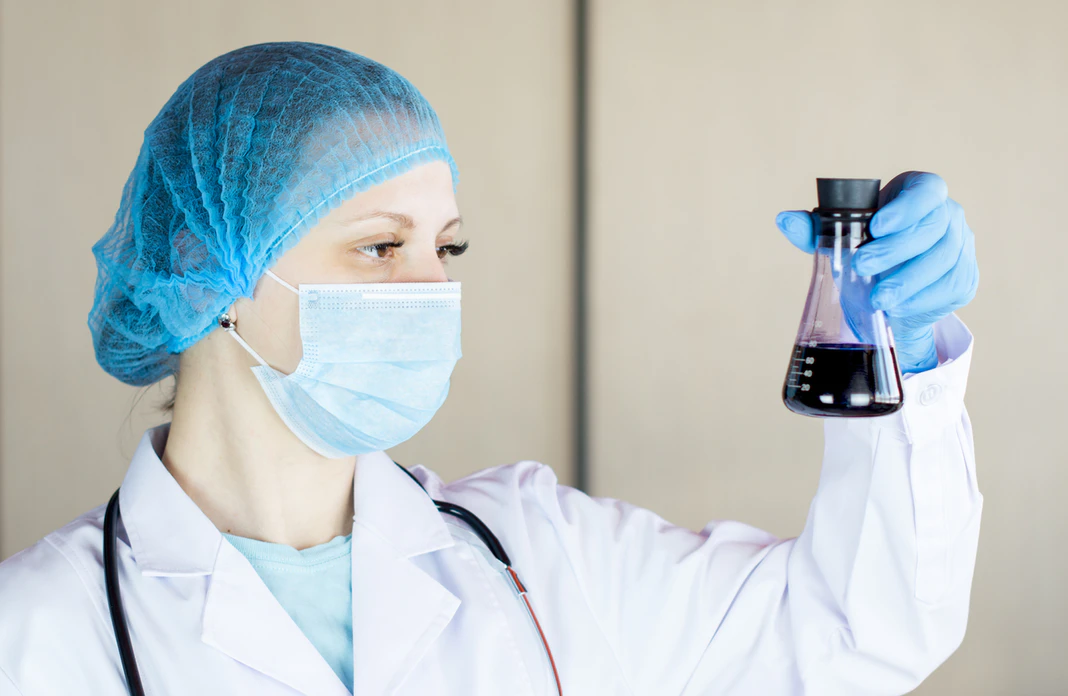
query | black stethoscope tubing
(122,630)
(118,616)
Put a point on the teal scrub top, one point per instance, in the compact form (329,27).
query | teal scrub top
(314,586)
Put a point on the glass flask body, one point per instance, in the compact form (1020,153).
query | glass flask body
(843,363)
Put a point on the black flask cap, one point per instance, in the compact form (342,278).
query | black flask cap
(848,194)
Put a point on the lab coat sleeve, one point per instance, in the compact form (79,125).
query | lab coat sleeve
(869,599)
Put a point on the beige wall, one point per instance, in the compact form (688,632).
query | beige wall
(710,117)
(707,118)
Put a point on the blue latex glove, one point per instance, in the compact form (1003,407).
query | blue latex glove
(923,254)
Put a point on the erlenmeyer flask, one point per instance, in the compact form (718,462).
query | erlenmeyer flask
(843,362)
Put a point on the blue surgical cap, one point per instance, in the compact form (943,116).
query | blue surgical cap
(247,155)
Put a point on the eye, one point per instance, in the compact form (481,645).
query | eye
(452,250)
(376,251)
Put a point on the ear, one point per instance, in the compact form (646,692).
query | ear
(228,317)
(237,307)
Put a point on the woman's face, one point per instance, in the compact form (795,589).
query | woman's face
(401,231)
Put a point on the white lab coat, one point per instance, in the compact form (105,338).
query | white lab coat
(869,599)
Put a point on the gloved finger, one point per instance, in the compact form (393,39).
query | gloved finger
(879,255)
(912,195)
(907,329)
(796,225)
(922,270)
(915,349)
(950,292)
(855,300)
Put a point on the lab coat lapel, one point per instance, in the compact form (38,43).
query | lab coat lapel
(397,609)
(244,620)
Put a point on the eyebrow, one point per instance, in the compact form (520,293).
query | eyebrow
(405,221)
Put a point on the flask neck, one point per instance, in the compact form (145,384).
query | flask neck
(842,228)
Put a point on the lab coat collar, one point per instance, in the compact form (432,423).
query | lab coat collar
(168,533)
(387,501)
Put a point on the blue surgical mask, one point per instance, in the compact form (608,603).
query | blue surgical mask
(376,365)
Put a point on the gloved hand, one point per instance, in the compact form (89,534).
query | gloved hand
(923,254)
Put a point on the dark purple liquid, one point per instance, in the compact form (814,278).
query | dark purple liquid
(841,380)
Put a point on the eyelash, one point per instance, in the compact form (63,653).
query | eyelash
(448,250)
(456,249)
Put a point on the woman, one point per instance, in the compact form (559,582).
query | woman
(281,248)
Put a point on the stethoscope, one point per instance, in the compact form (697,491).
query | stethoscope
(122,631)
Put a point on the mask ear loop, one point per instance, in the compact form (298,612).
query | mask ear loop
(281,282)
(229,326)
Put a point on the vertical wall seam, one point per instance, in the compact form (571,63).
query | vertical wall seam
(581,289)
